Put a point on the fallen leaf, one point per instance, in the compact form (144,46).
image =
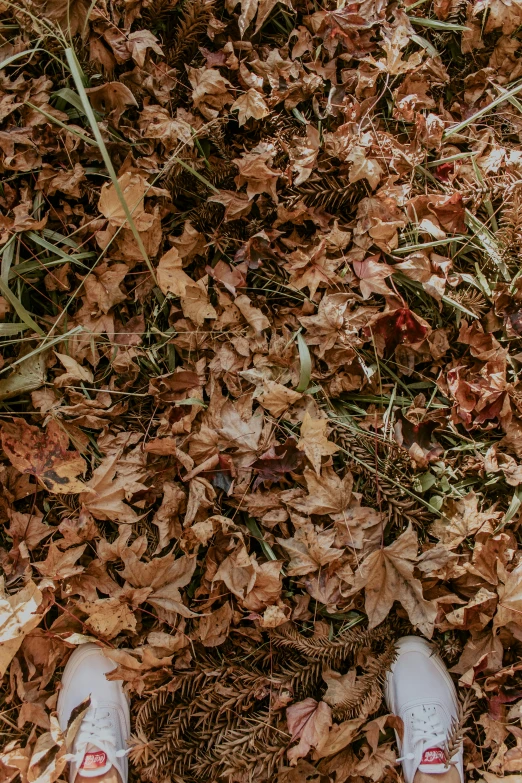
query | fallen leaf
(314,441)
(387,576)
(18,617)
(309,721)
(60,565)
(44,454)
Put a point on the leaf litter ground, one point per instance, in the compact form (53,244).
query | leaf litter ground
(261,321)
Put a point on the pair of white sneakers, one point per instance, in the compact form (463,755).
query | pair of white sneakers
(418,689)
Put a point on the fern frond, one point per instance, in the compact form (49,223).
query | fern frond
(458,728)
(192,27)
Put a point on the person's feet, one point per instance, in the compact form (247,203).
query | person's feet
(100,746)
(421,692)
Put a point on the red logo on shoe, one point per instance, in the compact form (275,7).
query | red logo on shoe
(433,756)
(94,760)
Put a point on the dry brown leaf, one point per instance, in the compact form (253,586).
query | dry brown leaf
(44,455)
(387,576)
(171,277)
(18,617)
(60,565)
(276,398)
(309,721)
(108,617)
(314,441)
(213,629)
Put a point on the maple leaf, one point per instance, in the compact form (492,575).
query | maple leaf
(387,576)
(277,398)
(107,617)
(363,167)
(28,528)
(134,188)
(309,721)
(111,98)
(171,277)
(312,270)
(327,493)
(18,617)
(236,204)
(254,170)
(417,438)
(44,454)
(237,571)
(250,104)
(195,303)
(509,598)
(303,154)
(314,442)
(213,629)
(279,460)
(372,275)
(209,91)
(267,587)
(462,519)
(106,492)
(310,549)
(253,315)
(60,565)
(165,576)
(399,326)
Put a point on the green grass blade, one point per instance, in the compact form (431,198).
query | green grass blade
(44,346)
(434,24)
(7,330)
(481,112)
(488,242)
(56,121)
(78,81)
(19,309)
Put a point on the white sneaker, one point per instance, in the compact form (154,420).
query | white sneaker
(101,741)
(421,692)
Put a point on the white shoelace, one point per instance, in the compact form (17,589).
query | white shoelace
(427,731)
(97,729)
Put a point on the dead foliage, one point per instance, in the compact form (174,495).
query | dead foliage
(261,322)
